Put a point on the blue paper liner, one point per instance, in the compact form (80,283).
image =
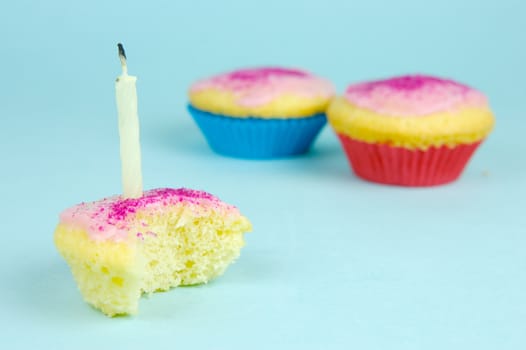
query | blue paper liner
(258,138)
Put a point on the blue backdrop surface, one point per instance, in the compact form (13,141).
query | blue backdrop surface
(333,261)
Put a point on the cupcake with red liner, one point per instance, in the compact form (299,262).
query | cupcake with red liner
(267,112)
(413,130)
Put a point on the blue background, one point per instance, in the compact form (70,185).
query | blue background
(333,261)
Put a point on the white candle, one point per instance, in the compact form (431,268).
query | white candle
(130,147)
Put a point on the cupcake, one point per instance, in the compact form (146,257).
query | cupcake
(412,130)
(262,112)
(120,248)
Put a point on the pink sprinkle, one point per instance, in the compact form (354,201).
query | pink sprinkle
(413,95)
(118,216)
(264,73)
(258,86)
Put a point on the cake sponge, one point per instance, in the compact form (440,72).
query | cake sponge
(118,249)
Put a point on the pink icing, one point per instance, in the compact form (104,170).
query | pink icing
(112,218)
(259,86)
(413,95)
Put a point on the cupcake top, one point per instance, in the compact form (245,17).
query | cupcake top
(113,218)
(412,111)
(413,96)
(268,92)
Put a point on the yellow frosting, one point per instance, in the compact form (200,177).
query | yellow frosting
(284,106)
(450,128)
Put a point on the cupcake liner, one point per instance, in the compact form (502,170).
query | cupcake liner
(258,138)
(405,167)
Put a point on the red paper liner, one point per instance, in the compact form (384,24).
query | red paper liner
(406,167)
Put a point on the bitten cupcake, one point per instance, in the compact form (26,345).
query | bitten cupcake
(260,113)
(412,130)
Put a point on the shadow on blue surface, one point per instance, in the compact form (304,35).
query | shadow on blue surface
(45,292)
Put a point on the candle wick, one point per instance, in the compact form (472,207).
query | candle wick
(122,57)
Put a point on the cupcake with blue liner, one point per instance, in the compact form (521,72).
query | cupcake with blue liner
(260,113)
